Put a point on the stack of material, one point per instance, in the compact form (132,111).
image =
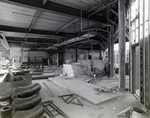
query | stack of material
(84,68)
(74,70)
(108,89)
(26,102)
(100,64)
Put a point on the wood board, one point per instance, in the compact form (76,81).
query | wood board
(84,90)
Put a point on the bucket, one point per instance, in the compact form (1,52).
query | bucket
(138,113)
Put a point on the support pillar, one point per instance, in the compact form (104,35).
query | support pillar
(121,11)
(111,51)
(76,53)
(108,44)
(21,53)
(58,59)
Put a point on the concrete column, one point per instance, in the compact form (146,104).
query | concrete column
(121,11)
(111,51)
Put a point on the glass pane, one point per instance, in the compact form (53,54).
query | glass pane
(141,32)
(141,12)
(146,9)
(146,29)
(137,35)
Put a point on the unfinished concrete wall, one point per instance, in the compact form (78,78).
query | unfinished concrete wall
(37,54)
(96,54)
(70,54)
(54,59)
(15,52)
(27,55)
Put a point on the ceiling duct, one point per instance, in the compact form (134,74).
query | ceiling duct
(80,38)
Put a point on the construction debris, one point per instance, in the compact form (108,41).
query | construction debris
(108,89)
(48,89)
(84,67)
(71,98)
(52,110)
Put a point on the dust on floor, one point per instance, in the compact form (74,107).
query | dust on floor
(107,109)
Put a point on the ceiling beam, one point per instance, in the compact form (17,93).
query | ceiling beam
(103,37)
(66,25)
(114,12)
(22,41)
(4,41)
(103,30)
(33,43)
(52,6)
(44,2)
(38,13)
(26,30)
(96,6)
(112,22)
(101,8)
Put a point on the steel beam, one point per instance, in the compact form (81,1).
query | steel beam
(103,37)
(112,22)
(4,41)
(101,8)
(114,12)
(95,6)
(111,51)
(38,12)
(26,30)
(44,2)
(66,25)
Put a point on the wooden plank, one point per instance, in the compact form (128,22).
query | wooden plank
(121,11)
(48,89)
(84,90)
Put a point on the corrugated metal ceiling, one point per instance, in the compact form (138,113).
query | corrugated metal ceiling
(50,21)
(86,4)
(10,15)
(29,35)
(47,20)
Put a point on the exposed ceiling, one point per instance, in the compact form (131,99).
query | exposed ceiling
(45,23)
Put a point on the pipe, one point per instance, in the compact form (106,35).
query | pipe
(48,89)
(27,91)
(26,103)
(35,112)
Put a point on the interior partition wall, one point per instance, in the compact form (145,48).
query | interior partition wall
(139,27)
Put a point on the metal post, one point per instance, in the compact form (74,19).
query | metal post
(111,51)
(21,53)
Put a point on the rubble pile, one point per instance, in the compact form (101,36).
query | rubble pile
(108,89)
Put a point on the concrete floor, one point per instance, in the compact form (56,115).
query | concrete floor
(107,109)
